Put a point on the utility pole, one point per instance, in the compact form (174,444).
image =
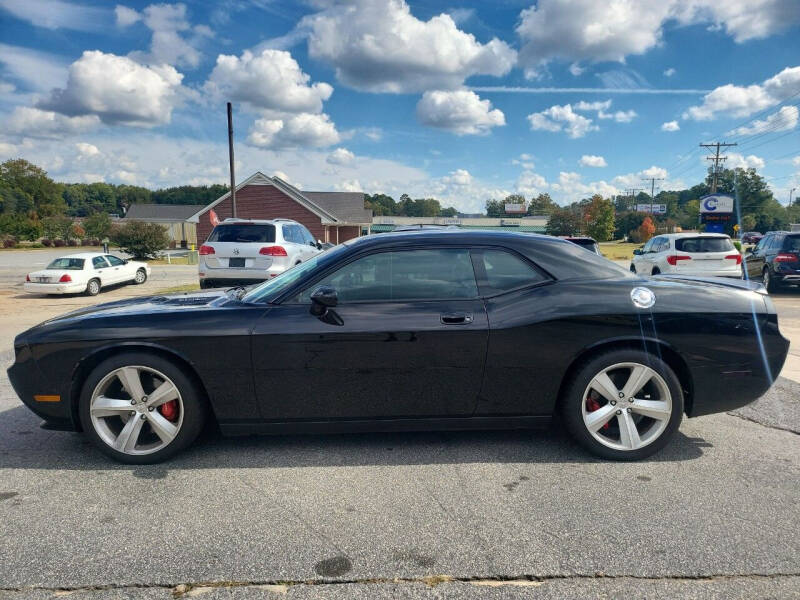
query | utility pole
(632,193)
(230,156)
(652,181)
(791,191)
(717,160)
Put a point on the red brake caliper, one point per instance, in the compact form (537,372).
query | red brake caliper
(592,404)
(169,410)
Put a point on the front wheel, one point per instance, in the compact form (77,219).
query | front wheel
(623,405)
(139,408)
(633,268)
(141,277)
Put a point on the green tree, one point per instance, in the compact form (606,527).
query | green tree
(97,225)
(57,227)
(381,204)
(563,221)
(542,204)
(23,180)
(599,217)
(495,208)
(747,223)
(142,240)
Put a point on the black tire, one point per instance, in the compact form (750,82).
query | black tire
(573,400)
(93,287)
(655,271)
(769,281)
(204,285)
(194,407)
(141,277)
(633,268)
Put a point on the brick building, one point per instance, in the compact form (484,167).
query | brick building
(330,216)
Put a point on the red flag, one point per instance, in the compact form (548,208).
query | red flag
(213,217)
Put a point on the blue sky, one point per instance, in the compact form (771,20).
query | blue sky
(463,101)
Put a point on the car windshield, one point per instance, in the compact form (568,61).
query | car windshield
(67,264)
(272,288)
(703,244)
(243,232)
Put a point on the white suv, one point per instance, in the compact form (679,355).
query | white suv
(245,251)
(705,254)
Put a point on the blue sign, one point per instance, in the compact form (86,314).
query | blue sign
(715,228)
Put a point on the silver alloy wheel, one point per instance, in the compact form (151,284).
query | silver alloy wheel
(93,287)
(125,410)
(626,406)
(140,276)
(766,279)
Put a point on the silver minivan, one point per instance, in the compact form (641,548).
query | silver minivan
(245,251)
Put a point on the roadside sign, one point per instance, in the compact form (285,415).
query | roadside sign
(716,203)
(656,209)
(516,208)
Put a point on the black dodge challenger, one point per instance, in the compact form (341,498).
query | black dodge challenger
(446,329)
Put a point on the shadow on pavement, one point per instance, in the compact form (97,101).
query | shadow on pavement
(23,445)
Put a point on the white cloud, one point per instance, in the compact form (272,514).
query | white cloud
(742,101)
(341,156)
(7,150)
(38,70)
(530,184)
(576,69)
(379,46)
(796,161)
(35,123)
(590,160)
(126,16)
(304,130)
(271,80)
(118,90)
(87,150)
(612,30)
(620,116)
(174,41)
(783,120)
(459,177)
(561,118)
(525,161)
(462,112)
(739,161)
(669,72)
(598,106)
(348,185)
(670,126)
(570,187)
(57,14)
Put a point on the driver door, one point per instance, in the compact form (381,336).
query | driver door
(411,343)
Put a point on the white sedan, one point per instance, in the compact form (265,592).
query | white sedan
(85,273)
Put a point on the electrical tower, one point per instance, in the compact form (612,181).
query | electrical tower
(717,160)
(652,181)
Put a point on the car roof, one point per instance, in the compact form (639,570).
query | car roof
(237,221)
(83,255)
(690,234)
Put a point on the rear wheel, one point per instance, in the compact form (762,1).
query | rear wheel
(623,405)
(769,281)
(140,409)
(93,287)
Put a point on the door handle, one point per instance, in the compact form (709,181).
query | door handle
(456,319)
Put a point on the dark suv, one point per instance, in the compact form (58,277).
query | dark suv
(776,259)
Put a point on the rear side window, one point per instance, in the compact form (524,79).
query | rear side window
(404,275)
(791,243)
(505,272)
(703,244)
(259,234)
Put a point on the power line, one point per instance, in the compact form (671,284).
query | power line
(652,181)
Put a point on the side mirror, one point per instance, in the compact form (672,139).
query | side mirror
(319,244)
(323,299)
(637,251)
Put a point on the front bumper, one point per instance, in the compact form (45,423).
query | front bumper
(54,288)
(38,393)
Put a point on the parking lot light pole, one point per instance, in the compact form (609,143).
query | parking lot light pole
(230,156)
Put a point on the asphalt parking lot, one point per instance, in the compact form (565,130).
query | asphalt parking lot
(425,515)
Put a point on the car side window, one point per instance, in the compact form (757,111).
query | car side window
(98,262)
(402,275)
(762,243)
(288,233)
(505,272)
(305,235)
(115,262)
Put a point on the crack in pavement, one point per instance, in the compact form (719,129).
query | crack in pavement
(767,425)
(278,585)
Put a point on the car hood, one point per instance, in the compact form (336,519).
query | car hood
(147,304)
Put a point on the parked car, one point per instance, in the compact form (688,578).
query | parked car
(776,260)
(247,251)
(708,254)
(87,273)
(751,237)
(425,330)
(588,243)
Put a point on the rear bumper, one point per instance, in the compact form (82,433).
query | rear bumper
(54,288)
(735,273)
(240,274)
